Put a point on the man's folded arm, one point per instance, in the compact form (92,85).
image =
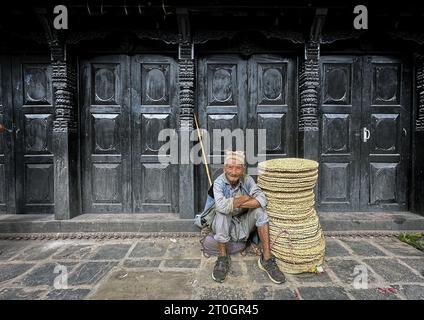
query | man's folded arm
(222,204)
(256,193)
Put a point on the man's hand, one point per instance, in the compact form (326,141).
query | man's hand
(238,201)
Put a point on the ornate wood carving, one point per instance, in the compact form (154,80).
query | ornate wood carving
(186,83)
(64,85)
(419,124)
(309,88)
(293,36)
(168,37)
(331,37)
(63,77)
(417,37)
(203,36)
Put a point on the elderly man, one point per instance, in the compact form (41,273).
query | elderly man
(240,206)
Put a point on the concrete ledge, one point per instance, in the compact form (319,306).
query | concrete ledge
(96,223)
(151,223)
(379,221)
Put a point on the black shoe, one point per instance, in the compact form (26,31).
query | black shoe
(222,266)
(272,270)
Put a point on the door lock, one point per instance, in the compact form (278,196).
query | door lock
(366,134)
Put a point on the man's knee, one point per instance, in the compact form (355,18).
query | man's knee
(221,227)
(260,216)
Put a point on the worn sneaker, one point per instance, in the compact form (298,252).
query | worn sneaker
(272,270)
(222,266)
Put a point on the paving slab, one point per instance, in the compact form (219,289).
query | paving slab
(45,274)
(416,263)
(284,294)
(110,252)
(263,293)
(142,263)
(90,272)
(21,294)
(347,271)
(182,263)
(411,292)
(393,271)
(175,268)
(305,278)
(68,294)
(333,248)
(149,249)
(398,248)
(126,284)
(12,270)
(40,251)
(8,249)
(323,293)
(373,294)
(74,252)
(222,293)
(363,248)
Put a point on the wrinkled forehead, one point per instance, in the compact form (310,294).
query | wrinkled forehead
(234,162)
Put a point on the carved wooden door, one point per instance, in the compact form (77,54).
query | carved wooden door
(33,118)
(7,169)
(385,122)
(340,123)
(364,122)
(153,108)
(125,104)
(254,93)
(105,130)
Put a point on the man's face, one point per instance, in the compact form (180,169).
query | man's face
(233,171)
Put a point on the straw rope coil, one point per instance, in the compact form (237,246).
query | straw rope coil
(297,240)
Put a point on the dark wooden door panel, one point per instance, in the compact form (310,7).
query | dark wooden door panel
(33,112)
(153,108)
(126,103)
(222,104)
(364,134)
(272,103)
(255,93)
(106,134)
(338,185)
(7,170)
(385,114)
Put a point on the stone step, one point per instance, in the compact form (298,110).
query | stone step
(45,223)
(169,223)
(378,221)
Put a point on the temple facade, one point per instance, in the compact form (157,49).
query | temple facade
(83,107)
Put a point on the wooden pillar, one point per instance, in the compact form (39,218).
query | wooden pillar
(309,83)
(186,80)
(64,140)
(186,84)
(418,139)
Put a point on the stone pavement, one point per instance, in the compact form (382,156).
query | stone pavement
(174,268)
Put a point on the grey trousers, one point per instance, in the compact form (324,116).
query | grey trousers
(237,228)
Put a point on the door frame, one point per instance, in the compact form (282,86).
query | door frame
(362,166)
(8,137)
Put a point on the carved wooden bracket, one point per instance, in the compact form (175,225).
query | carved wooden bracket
(318,24)
(419,76)
(54,38)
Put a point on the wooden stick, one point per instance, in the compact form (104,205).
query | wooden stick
(203,150)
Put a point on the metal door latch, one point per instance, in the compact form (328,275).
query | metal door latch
(366,134)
